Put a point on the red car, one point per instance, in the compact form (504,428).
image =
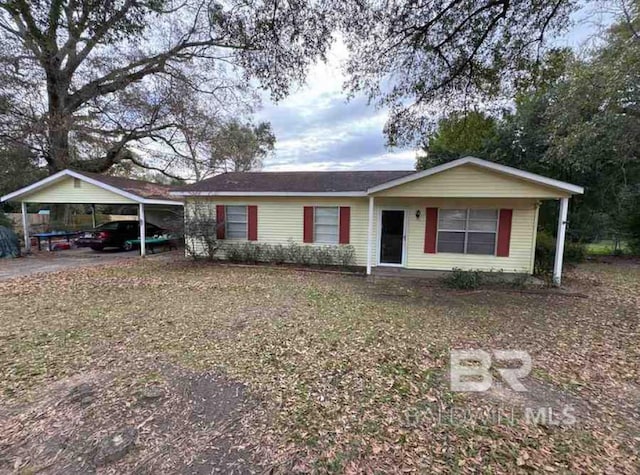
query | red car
(114,234)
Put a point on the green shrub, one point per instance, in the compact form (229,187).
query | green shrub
(634,239)
(463,279)
(9,243)
(251,252)
(574,252)
(545,252)
(5,222)
(618,252)
(323,255)
(276,254)
(347,255)
(234,253)
(294,253)
(300,254)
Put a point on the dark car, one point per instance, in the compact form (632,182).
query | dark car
(115,234)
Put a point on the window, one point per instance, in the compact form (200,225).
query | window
(325,225)
(236,222)
(112,226)
(467,231)
(77,183)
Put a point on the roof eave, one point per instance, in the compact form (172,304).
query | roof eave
(70,173)
(270,193)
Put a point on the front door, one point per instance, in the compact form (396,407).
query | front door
(392,237)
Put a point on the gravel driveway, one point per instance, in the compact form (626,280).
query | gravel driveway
(59,260)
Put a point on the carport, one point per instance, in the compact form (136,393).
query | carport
(73,187)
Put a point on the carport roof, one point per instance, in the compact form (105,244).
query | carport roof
(136,190)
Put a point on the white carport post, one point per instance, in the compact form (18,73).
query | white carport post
(93,215)
(370,235)
(141,220)
(562,229)
(25,227)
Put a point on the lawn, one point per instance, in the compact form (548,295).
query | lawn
(246,369)
(607,248)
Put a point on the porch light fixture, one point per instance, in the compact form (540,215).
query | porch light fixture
(418,214)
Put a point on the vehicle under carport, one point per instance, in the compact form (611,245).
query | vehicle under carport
(152,200)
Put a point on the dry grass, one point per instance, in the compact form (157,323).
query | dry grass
(351,376)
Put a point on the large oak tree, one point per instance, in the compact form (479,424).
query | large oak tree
(85,82)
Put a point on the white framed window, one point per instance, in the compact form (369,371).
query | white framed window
(236,222)
(467,231)
(326,224)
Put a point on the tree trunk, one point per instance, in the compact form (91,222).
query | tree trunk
(59,122)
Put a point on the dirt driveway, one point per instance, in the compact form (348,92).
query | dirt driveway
(58,261)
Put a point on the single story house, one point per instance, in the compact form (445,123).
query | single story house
(469,213)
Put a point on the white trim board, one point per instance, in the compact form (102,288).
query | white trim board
(56,177)
(515,172)
(270,193)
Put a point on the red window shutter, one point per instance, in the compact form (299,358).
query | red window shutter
(431,230)
(220,221)
(308,224)
(504,232)
(252,217)
(345,224)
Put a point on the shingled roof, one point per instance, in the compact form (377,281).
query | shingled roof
(145,189)
(293,182)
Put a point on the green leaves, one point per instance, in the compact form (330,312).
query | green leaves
(427,58)
(241,147)
(457,135)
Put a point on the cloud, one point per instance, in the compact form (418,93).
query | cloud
(317,128)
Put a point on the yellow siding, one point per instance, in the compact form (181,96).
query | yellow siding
(469,181)
(520,249)
(64,191)
(281,220)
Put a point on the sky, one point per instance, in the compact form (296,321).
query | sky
(317,128)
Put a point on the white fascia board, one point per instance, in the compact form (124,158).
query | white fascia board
(70,173)
(34,186)
(515,172)
(163,202)
(268,193)
(65,173)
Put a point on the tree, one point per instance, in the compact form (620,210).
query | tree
(579,123)
(595,126)
(203,130)
(240,147)
(583,125)
(422,58)
(84,82)
(458,135)
(18,168)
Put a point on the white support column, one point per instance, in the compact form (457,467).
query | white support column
(370,235)
(562,229)
(93,215)
(143,234)
(25,227)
